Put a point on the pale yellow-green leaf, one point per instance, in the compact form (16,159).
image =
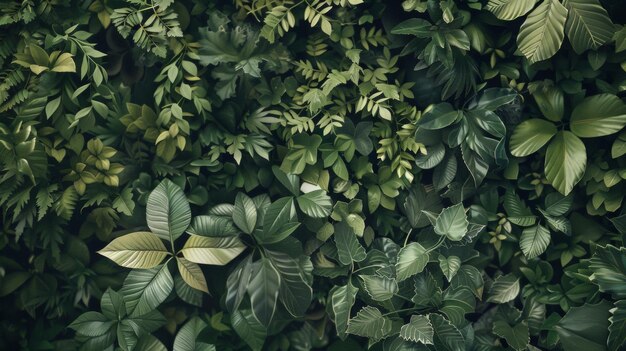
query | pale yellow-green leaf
(192,274)
(64,63)
(215,251)
(566,159)
(530,136)
(510,9)
(136,250)
(542,34)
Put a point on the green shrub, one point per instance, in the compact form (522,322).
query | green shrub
(316,174)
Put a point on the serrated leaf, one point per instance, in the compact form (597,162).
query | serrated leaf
(452,222)
(412,259)
(608,265)
(348,247)
(504,289)
(379,288)
(315,204)
(342,299)
(534,241)
(446,337)
(136,250)
(449,266)
(617,326)
(418,330)
(369,323)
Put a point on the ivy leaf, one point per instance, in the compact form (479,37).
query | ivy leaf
(348,247)
(530,136)
(136,250)
(542,34)
(263,290)
(504,289)
(418,330)
(244,213)
(145,289)
(588,25)
(452,222)
(566,159)
(534,241)
(167,211)
(608,265)
(369,323)
(187,337)
(412,259)
(342,299)
(509,10)
(315,204)
(379,288)
(598,115)
(215,251)
(517,337)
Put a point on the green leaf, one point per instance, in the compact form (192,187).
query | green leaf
(516,337)
(212,226)
(244,213)
(112,305)
(598,115)
(288,180)
(348,247)
(145,289)
(447,337)
(295,282)
(505,288)
(249,329)
(192,274)
(439,116)
(534,241)
(412,259)
(186,338)
(617,328)
(452,222)
(136,250)
(530,136)
(418,330)
(566,159)
(278,221)
(369,323)
(263,290)
(215,251)
(237,283)
(542,34)
(92,324)
(449,266)
(585,327)
(509,10)
(315,204)
(379,288)
(414,26)
(342,299)
(608,265)
(588,25)
(167,211)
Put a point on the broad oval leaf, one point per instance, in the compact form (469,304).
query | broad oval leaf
(215,251)
(136,250)
(517,337)
(379,288)
(542,34)
(585,327)
(504,289)
(588,25)
(509,10)
(418,27)
(566,159)
(439,116)
(315,204)
(412,259)
(598,115)
(534,241)
(244,213)
(530,136)
(167,211)
(263,290)
(192,274)
(249,329)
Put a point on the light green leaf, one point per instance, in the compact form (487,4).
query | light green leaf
(379,288)
(542,34)
(566,159)
(439,116)
(452,222)
(192,274)
(278,221)
(342,299)
(167,211)
(449,266)
(598,115)
(530,136)
(145,289)
(263,290)
(244,213)
(504,289)
(208,250)
(534,241)
(369,323)
(588,25)
(412,259)
(517,337)
(418,330)
(509,10)
(136,250)
(315,204)
(348,247)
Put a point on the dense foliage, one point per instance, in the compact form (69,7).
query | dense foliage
(314,174)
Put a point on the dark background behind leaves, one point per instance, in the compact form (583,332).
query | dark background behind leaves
(318,174)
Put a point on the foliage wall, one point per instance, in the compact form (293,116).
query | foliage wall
(314,174)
